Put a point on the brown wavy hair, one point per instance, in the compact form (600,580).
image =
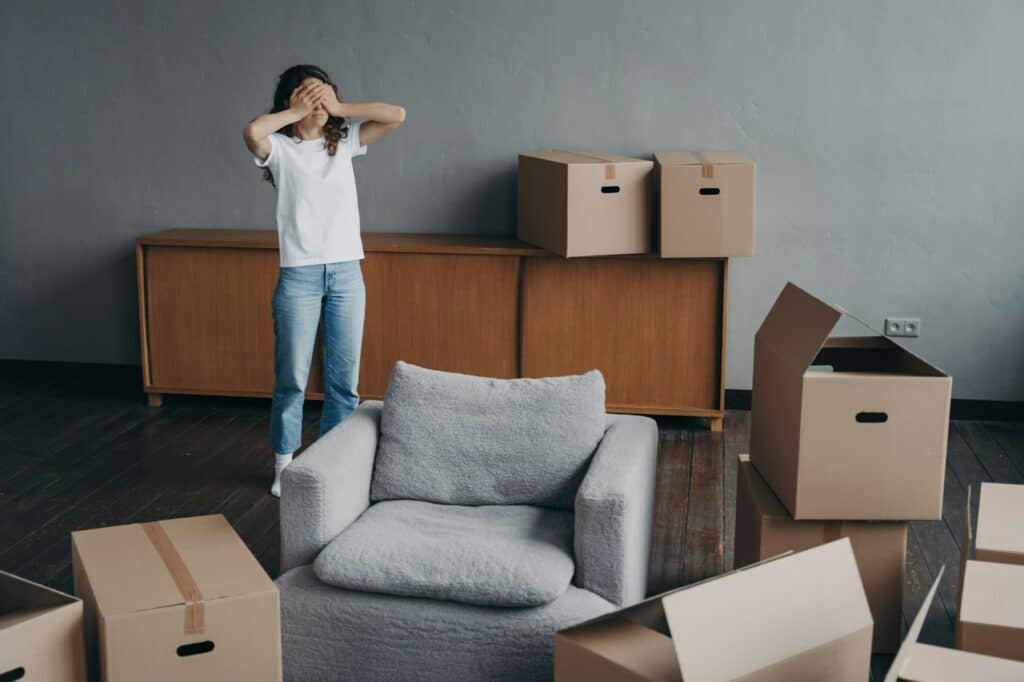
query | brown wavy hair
(336,127)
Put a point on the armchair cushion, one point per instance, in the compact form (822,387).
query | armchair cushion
(460,439)
(491,555)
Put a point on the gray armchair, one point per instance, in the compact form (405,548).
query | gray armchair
(330,633)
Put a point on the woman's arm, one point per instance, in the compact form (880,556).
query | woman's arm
(382,118)
(303,100)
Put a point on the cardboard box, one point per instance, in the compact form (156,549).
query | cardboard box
(845,428)
(764,529)
(1000,534)
(584,203)
(181,599)
(40,633)
(803,616)
(990,618)
(705,204)
(916,662)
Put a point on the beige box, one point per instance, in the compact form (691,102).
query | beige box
(765,529)
(40,633)
(990,618)
(584,203)
(181,599)
(1000,534)
(917,662)
(845,428)
(799,617)
(705,204)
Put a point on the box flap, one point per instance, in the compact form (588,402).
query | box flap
(764,499)
(570,157)
(1000,518)
(702,158)
(128,574)
(965,550)
(797,325)
(776,610)
(18,594)
(925,663)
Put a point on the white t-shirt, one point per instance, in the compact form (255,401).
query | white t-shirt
(317,206)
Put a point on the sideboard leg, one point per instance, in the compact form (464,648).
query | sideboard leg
(155,399)
(716,423)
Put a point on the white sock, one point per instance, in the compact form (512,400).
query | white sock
(280,462)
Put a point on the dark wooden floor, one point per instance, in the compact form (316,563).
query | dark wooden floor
(88,452)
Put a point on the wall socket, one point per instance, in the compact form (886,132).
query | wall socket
(902,326)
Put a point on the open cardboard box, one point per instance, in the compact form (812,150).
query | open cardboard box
(917,662)
(990,619)
(705,204)
(40,633)
(765,529)
(802,616)
(181,599)
(585,203)
(862,439)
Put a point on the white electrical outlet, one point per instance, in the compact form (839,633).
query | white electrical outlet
(902,326)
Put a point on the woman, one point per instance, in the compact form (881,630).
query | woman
(305,146)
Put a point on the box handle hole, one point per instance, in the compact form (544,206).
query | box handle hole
(710,191)
(195,648)
(610,189)
(872,417)
(11,675)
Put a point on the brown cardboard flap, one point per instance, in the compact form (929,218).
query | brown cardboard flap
(965,551)
(797,326)
(913,632)
(779,611)
(18,594)
(701,158)
(569,157)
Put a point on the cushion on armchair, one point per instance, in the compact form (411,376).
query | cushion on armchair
(491,555)
(461,439)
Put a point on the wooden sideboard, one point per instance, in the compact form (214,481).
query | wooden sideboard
(489,306)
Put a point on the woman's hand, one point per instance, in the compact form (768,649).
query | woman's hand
(331,104)
(305,98)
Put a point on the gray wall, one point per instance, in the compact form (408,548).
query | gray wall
(887,136)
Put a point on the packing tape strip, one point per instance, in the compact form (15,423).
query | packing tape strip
(831,531)
(707,169)
(195,615)
(609,168)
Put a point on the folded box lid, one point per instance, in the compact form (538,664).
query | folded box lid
(799,324)
(128,574)
(1001,519)
(23,600)
(701,159)
(764,499)
(777,610)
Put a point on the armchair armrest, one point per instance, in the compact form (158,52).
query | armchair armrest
(615,511)
(328,486)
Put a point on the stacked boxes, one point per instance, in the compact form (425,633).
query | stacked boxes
(595,204)
(990,619)
(848,438)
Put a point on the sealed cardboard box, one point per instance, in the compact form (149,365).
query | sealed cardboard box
(803,616)
(765,529)
(845,428)
(1000,534)
(585,203)
(705,204)
(990,619)
(917,662)
(40,633)
(181,599)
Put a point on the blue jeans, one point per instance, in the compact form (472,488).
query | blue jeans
(301,294)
